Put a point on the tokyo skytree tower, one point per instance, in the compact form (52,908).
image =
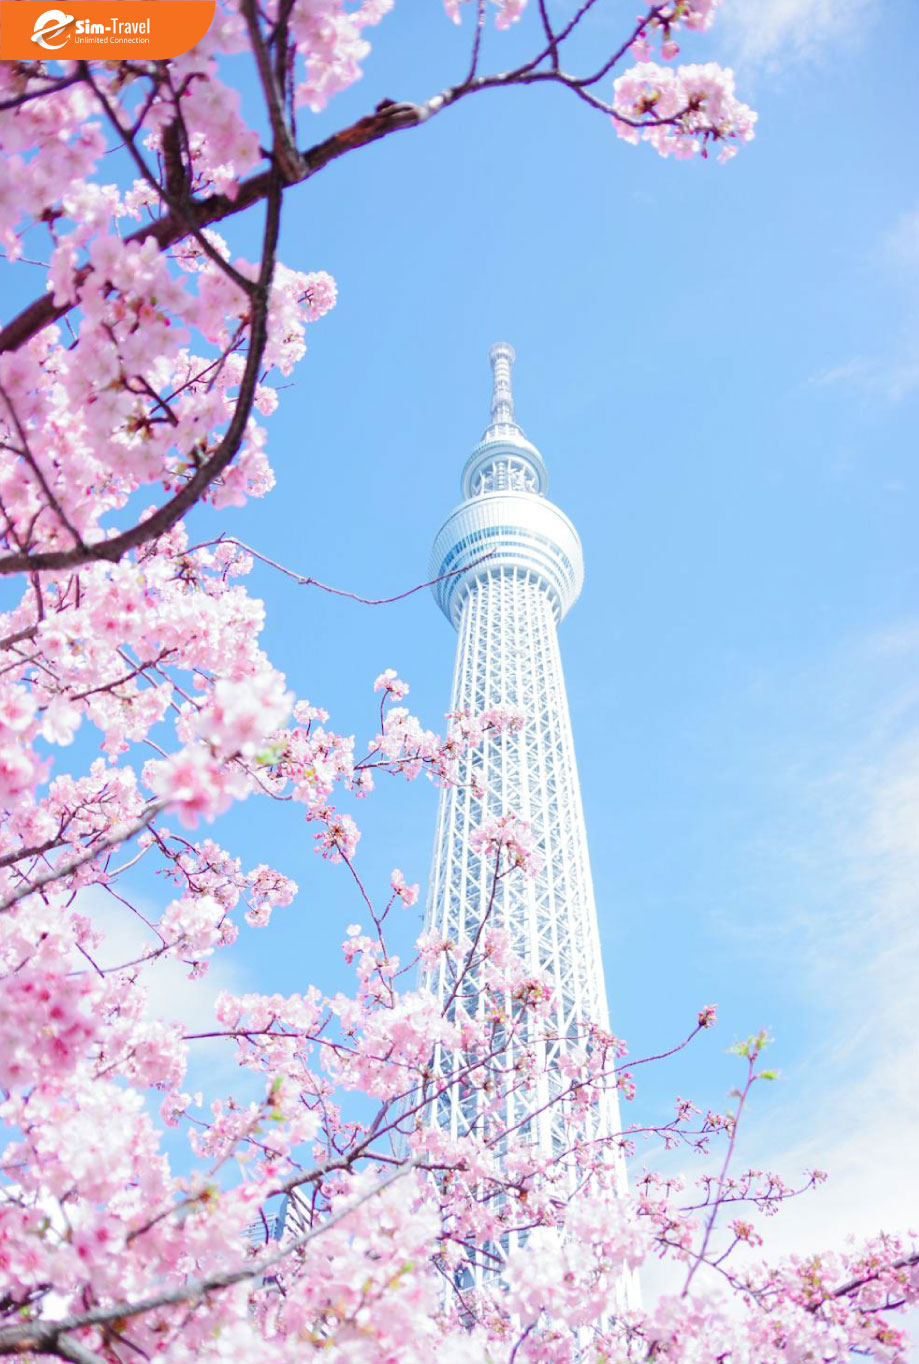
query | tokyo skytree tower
(506,608)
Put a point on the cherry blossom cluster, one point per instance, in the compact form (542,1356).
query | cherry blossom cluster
(511,840)
(678,111)
(682,112)
(407,894)
(393,687)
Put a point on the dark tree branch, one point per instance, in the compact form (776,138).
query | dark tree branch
(476,41)
(286,156)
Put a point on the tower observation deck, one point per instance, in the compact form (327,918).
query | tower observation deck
(521,569)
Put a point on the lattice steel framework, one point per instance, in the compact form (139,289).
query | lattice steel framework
(506,608)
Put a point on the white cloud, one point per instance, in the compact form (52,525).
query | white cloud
(772,35)
(892,378)
(900,244)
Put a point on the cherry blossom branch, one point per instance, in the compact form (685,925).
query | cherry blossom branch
(166,516)
(753,1049)
(119,834)
(35,850)
(613,1071)
(27,455)
(853,1285)
(480,929)
(175,206)
(54,86)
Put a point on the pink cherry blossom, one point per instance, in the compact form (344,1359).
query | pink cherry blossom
(192,783)
(392,685)
(510,839)
(240,716)
(406,893)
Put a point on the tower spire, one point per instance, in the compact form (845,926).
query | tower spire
(504,460)
(502,357)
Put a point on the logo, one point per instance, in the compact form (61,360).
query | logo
(101,30)
(52,23)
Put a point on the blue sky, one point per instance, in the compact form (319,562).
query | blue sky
(720,365)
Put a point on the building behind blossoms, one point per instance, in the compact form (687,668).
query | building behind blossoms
(508,567)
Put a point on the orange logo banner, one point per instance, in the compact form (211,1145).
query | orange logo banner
(104,29)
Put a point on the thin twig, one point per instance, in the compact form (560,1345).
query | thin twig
(337,591)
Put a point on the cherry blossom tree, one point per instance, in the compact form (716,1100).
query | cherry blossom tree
(135,386)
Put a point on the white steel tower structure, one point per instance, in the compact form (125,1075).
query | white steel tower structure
(521,569)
